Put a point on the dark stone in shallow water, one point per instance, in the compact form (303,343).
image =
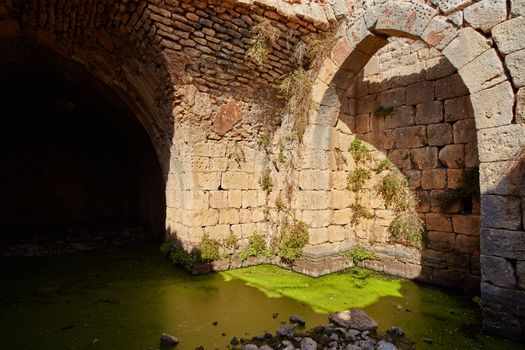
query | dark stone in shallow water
(355,319)
(250,347)
(166,339)
(383,345)
(396,331)
(308,344)
(297,319)
(286,331)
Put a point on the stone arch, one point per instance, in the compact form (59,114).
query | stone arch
(500,135)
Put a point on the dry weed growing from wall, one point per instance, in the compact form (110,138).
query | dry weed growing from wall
(264,36)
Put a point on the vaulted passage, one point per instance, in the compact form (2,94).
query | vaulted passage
(74,162)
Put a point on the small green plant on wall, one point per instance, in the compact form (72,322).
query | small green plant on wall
(359,212)
(394,189)
(294,237)
(359,253)
(383,111)
(359,151)
(257,247)
(209,248)
(470,188)
(407,228)
(356,179)
(265,34)
(266,182)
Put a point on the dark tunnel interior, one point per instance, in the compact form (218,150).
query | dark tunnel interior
(74,160)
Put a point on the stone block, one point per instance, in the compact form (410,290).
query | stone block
(336,233)
(501,178)
(316,218)
(218,199)
(401,158)
(314,180)
(520,106)
(318,235)
(439,67)
(498,271)
(228,115)
(402,116)
(367,104)
(439,134)
(454,178)
(493,106)
(452,156)
(391,18)
(429,113)
(410,137)
(443,241)
(424,158)
(464,131)
(485,14)
(471,155)
(465,47)
(509,35)
(451,86)
(235,199)
(363,40)
(520,273)
(467,244)
(439,32)
(420,93)
(483,72)
(362,123)
(449,6)
(438,222)
(207,181)
(500,143)
(310,200)
(466,224)
(340,199)
(434,179)
(492,317)
(317,137)
(515,63)
(458,108)
(341,51)
(517,7)
(501,212)
(392,98)
(249,199)
(229,216)
(342,216)
(503,243)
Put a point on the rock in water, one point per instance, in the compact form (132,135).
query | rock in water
(297,319)
(286,331)
(308,344)
(166,339)
(355,319)
(250,347)
(383,345)
(266,347)
(396,331)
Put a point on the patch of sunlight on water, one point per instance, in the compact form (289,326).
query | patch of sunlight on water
(357,288)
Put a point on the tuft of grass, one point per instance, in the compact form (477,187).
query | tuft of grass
(470,188)
(279,203)
(231,242)
(179,256)
(359,151)
(340,159)
(359,212)
(359,253)
(266,182)
(263,141)
(385,164)
(292,241)
(296,87)
(383,111)
(209,248)
(407,228)
(396,193)
(265,34)
(166,247)
(357,178)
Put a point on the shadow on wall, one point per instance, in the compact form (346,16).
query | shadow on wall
(424,123)
(503,247)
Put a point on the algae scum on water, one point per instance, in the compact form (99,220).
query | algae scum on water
(125,298)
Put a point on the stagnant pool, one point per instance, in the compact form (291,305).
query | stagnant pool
(125,298)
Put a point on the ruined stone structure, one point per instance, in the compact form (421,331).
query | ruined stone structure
(205,125)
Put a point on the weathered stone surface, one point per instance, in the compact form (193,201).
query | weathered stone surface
(467,244)
(493,106)
(458,108)
(520,273)
(500,143)
(355,319)
(517,7)
(441,240)
(452,156)
(466,224)
(483,72)
(392,98)
(502,178)
(503,243)
(426,157)
(394,17)
(229,114)
(439,32)
(439,134)
(515,63)
(420,93)
(314,180)
(509,35)
(520,106)
(464,131)
(433,179)
(438,222)
(410,137)
(451,86)
(448,6)
(498,271)
(501,212)
(485,14)
(429,113)
(465,47)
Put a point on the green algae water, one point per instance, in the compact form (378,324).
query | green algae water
(125,298)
